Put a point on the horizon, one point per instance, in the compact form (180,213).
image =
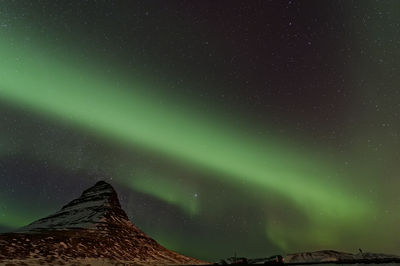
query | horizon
(44,226)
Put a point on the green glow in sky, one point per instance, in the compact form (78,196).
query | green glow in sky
(173,193)
(117,108)
(13,215)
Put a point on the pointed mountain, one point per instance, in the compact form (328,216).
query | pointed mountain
(97,208)
(92,229)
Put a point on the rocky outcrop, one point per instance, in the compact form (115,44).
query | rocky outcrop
(92,229)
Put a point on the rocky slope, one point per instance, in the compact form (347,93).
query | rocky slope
(92,229)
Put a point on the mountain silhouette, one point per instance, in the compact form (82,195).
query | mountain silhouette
(92,229)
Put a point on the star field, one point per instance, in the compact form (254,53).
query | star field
(258,128)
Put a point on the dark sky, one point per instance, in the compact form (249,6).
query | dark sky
(256,127)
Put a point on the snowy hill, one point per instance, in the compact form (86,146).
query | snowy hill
(92,229)
(325,256)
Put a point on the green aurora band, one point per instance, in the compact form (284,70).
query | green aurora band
(81,95)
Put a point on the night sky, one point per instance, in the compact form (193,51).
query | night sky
(255,127)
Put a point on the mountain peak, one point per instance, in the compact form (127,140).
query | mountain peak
(101,183)
(92,226)
(101,193)
(96,207)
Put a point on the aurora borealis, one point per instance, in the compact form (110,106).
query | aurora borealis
(256,128)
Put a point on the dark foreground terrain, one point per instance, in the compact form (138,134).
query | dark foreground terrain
(323,257)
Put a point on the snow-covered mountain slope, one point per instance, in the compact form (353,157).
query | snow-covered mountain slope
(324,256)
(96,208)
(91,227)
